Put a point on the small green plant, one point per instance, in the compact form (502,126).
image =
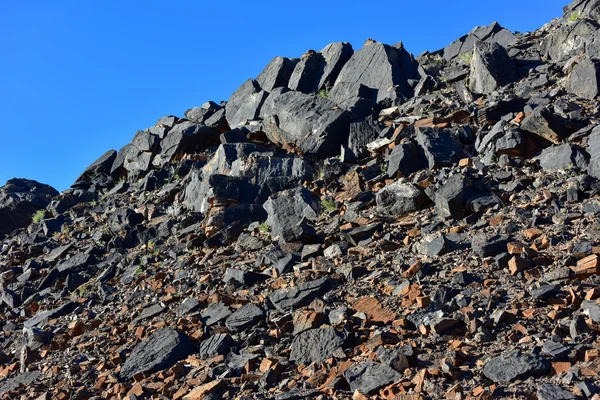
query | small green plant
(575,16)
(325,92)
(263,228)
(466,57)
(328,205)
(139,270)
(82,290)
(38,216)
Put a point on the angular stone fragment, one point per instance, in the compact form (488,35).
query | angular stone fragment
(594,152)
(244,104)
(335,56)
(400,198)
(354,97)
(305,77)
(547,391)
(584,79)
(485,246)
(439,147)
(564,156)
(309,123)
(405,158)
(546,125)
(159,351)
(374,310)
(245,317)
(217,344)
(247,278)
(214,313)
(433,245)
(491,68)
(315,345)
(288,208)
(493,33)
(301,295)
(368,376)
(511,366)
(277,73)
(451,198)
(382,68)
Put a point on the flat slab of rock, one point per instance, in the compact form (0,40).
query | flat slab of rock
(217,344)
(159,351)
(315,345)
(301,295)
(245,317)
(439,148)
(368,376)
(509,367)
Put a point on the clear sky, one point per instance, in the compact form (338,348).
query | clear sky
(80,77)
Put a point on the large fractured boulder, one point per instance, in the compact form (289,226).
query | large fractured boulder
(493,33)
(277,73)
(405,159)
(584,79)
(384,69)
(289,208)
(246,173)
(451,198)
(293,297)
(543,123)
(310,123)
(567,41)
(362,133)
(563,156)
(439,147)
(19,200)
(503,138)
(244,104)
(354,97)
(200,114)
(306,73)
(159,351)
(315,345)
(334,57)
(101,166)
(185,138)
(400,198)
(491,68)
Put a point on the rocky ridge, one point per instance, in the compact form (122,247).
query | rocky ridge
(349,224)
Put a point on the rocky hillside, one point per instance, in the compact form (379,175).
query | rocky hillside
(352,224)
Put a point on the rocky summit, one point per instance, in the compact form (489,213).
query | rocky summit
(351,224)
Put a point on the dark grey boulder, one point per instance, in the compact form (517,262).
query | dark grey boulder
(200,114)
(384,69)
(288,208)
(245,317)
(503,138)
(362,132)
(334,57)
(315,345)
(399,198)
(594,152)
(451,198)
(433,245)
(159,351)
(491,68)
(242,277)
(405,159)
(291,298)
(217,344)
(354,97)
(584,79)
(305,77)
(246,173)
(511,366)
(76,263)
(218,121)
(543,123)
(41,318)
(567,41)
(214,313)
(19,200)
(563,156)
(102,165)
(277,73)
(268,106)
(368,376)
(485,246)
(310,123)
(548,391)
(439,147)
(185,138)
(493,33)
(24,379)
(149,312)
(244,104)
(188,306)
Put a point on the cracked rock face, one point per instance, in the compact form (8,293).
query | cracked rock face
(350,224)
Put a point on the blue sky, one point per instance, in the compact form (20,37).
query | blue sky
(81,77)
